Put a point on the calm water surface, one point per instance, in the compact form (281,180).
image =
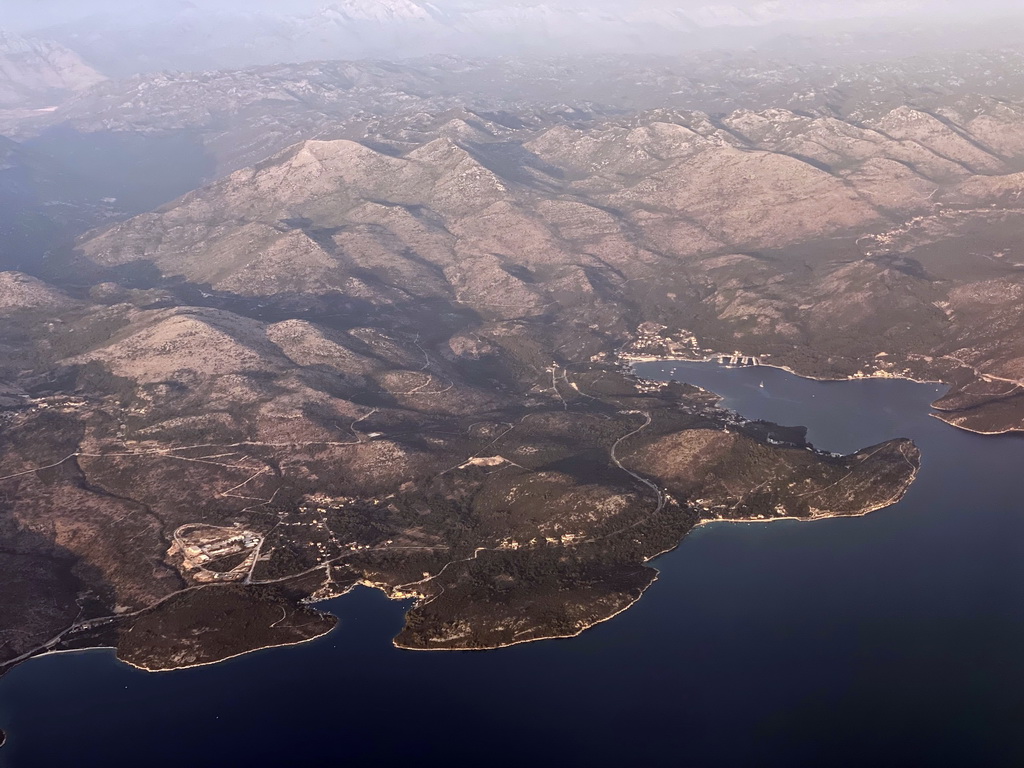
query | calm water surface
(896,639)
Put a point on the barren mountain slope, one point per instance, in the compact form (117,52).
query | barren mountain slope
(260,446)
(195,461)
(36,73)
(815,243)
(398,363)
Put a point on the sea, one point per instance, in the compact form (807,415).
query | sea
(894,639)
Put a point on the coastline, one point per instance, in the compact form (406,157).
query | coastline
(226,658)
(63,651)
(657,572)
(815,519)
(577,633)
(632,361)
(893,500)
(398,598)
(996,433)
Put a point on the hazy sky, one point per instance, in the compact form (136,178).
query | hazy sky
(27,14)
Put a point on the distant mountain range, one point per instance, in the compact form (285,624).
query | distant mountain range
(381,11)
(37,72)
(191,36)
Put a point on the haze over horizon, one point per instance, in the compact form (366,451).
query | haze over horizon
(123,37)
(27,17)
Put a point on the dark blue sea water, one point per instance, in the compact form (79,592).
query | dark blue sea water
(896,639)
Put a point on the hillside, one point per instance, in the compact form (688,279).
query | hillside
(40,73)
(840,221)
(400,357)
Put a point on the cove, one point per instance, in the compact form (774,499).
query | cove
(892,639)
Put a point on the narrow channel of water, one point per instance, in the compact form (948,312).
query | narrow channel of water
(891,640)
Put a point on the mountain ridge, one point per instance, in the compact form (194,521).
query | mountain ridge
(39,73)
